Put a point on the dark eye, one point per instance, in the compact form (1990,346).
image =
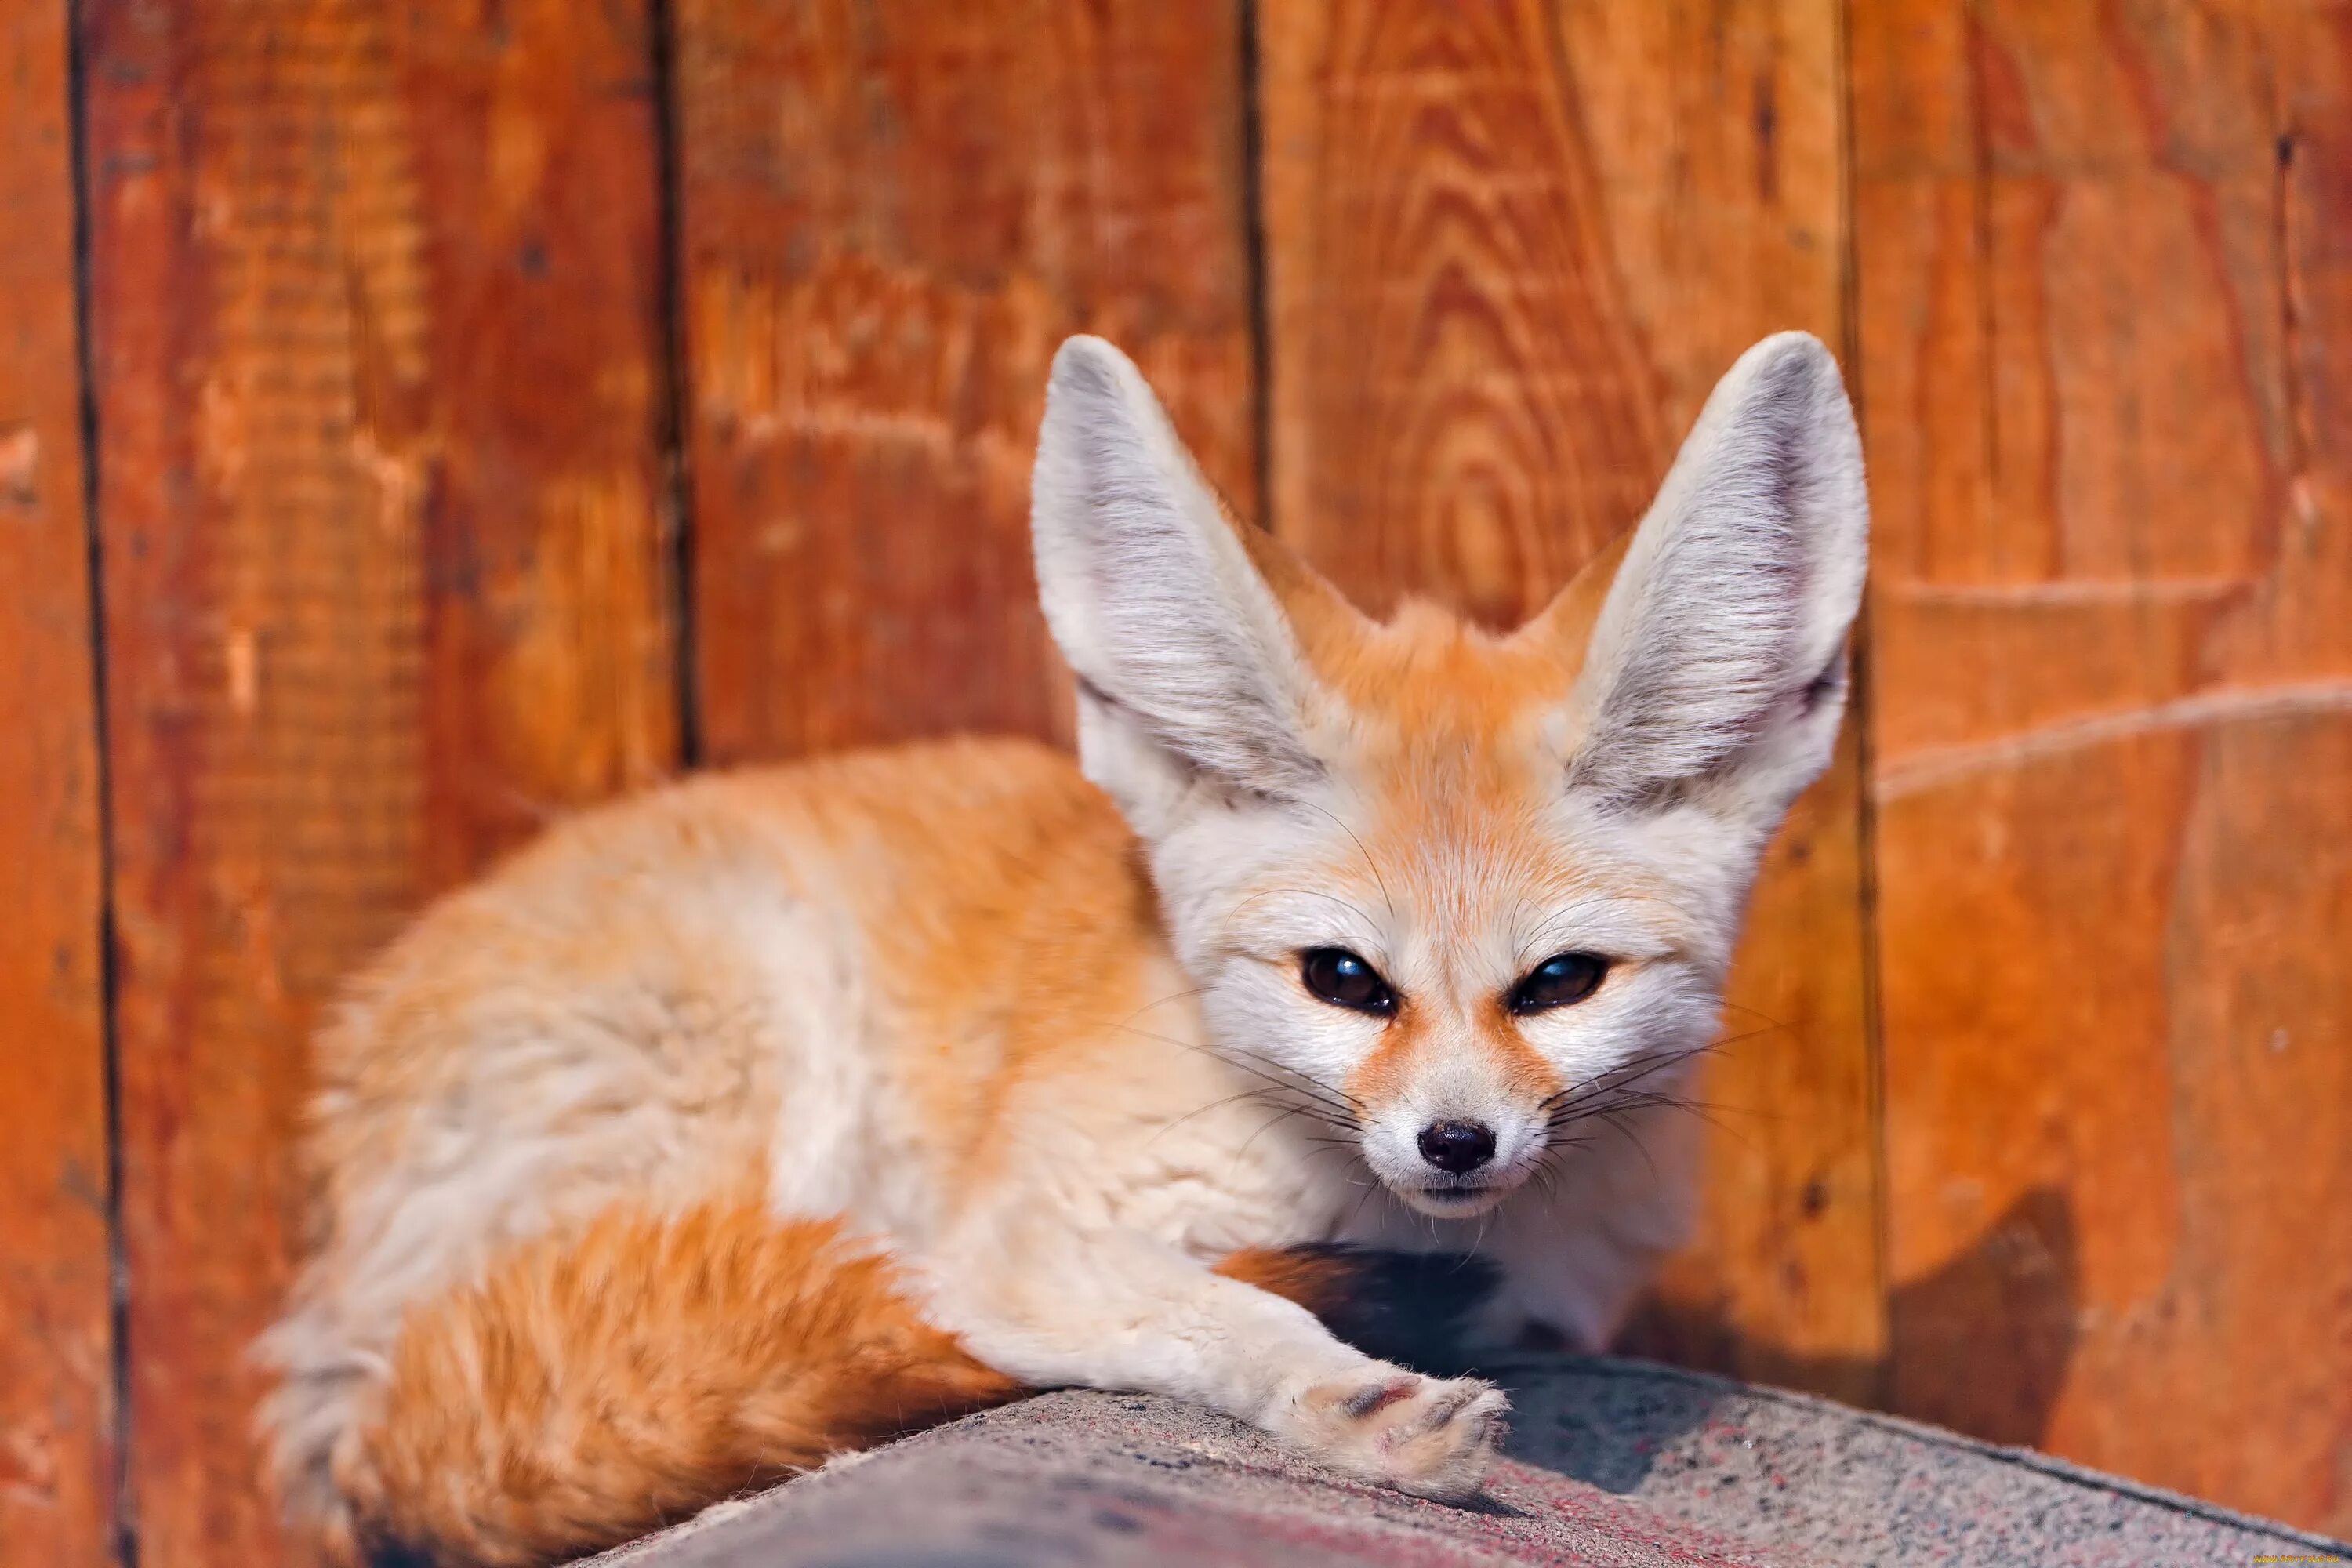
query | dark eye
(1558,980)
(1337,976)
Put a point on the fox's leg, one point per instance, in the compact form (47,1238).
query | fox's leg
(1052,1305)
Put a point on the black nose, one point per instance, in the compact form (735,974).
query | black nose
(1460,1147)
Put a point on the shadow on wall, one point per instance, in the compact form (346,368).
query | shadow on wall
(1981,1346)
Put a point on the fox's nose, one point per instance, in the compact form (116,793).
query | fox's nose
(1460,1147)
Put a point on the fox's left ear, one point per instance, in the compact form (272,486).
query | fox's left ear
(1718,659)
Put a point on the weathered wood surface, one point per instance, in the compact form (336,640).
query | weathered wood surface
(57,1398)
(2106,343)
(377,320)
(890,215)
(1509,250)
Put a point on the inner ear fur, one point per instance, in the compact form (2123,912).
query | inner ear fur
(1187,630)
(1718,644)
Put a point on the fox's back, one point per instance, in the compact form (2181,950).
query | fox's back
(630,1003)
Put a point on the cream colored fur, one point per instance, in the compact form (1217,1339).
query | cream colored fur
(926,990)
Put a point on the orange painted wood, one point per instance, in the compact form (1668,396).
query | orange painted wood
(378,331)
(56,1373)
(891,214)
(1509,247)
(2105,309)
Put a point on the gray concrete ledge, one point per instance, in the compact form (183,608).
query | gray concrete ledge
(1612,1462)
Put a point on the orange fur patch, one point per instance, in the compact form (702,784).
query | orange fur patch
(1315,1280)
(598,1385)
(1386,1070)
(1432,673)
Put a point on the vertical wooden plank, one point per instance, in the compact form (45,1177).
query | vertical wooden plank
(1510,246)
(892,213)
(57,1398)
(2105,293)
(378,332)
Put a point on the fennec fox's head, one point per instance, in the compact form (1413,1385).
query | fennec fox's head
(1460,887)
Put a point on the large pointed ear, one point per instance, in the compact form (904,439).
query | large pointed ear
(1186,663)
(1719,653)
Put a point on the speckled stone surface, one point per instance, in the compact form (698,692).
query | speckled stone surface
(1611,1463)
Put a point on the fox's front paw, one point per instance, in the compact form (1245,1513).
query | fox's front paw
(1426,1436)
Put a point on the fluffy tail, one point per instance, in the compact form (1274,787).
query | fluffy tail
(599,1385)
(602,1383)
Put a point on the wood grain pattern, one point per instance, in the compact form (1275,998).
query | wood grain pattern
(378,361)
(1509,249)
(57,1373)
(892,214)
(2107,343)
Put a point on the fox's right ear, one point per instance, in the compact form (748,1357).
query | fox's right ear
(1186,663)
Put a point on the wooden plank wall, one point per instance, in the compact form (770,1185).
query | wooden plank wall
(57,1412)
(500,405)
(2102,331)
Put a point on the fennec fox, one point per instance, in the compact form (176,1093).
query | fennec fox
(769,1114)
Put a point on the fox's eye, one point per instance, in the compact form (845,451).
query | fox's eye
(1337,976)
(1557,981)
